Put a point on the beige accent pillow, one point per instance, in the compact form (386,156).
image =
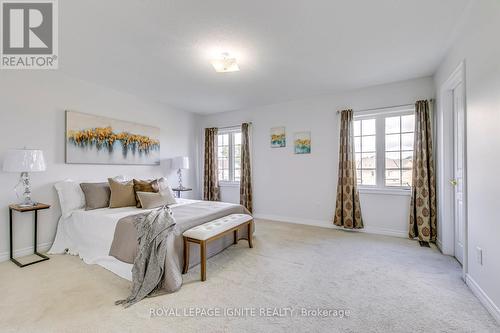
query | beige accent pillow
(144,186)
(122,194)
(153,200)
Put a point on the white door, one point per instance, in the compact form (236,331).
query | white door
(458,181)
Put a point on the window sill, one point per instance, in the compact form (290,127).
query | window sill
(229,184)
(385,191)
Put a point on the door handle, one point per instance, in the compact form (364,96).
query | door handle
(453,182)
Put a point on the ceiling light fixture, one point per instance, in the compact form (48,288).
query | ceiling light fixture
(225,64)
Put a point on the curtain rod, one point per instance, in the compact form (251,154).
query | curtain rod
(248,122)
(382,108)
(386,107)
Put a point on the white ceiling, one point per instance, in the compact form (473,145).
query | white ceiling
(286,49)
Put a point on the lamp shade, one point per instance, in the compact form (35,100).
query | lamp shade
(24,160)
(180,162)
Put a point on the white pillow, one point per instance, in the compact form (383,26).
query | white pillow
(164,186)
(71,196)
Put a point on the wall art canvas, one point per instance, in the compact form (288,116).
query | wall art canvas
(278,137)
(302,143)
(94,139)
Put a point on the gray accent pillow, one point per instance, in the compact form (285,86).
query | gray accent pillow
(153,200)
(122,194)
(96,195)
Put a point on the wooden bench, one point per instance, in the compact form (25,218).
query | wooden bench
(212,230)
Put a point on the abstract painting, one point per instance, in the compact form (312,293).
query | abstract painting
(278,137)
(302,143)
(94,139)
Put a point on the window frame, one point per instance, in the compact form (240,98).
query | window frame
(231,155)
(380,115)
(366,152)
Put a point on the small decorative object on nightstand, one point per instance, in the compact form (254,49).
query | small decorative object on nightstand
(179,190)
(23,209)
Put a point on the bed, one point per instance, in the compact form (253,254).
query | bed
(90,234)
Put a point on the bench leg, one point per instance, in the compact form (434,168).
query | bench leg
(249,226)
(186,256)
(235,237)
(203,258)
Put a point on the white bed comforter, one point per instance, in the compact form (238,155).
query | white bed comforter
(89,234)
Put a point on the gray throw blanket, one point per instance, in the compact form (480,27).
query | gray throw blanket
(155,230)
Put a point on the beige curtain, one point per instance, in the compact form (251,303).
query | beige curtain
(423,217)
(210,180)
(246,170)
(347,210)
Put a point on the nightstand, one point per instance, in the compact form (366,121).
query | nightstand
(22,209)
(179,190)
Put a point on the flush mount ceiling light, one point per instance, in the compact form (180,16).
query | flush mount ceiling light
(225,64)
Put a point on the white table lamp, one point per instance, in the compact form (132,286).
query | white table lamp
(24,161)
(179,163)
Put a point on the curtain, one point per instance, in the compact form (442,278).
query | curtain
(210,180)
(246,170)
(423,219)
(347,210)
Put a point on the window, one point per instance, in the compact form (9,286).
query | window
(399,150)
(366,152)
(229,155)
(383,145)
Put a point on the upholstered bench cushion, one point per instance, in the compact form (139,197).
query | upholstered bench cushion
(215,227)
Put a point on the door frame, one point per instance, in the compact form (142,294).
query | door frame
(445,166)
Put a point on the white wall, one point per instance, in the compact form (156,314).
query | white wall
(301,188)
(477,44)
(32,105)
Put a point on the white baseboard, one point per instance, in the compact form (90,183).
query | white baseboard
(439,245)
(44,247)
(481,295)
(329,224)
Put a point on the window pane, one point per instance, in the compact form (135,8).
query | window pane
(393,177)
(236,175)
(392,160)
(357,127)
(368,143)
(358,176)
(392,125)
(369,177)
(368,127)
(237,163)
(407,176)
(357,144)
(237,138)
(223,175)
(407,141)
(224,139)
(237,151)
(407,159)
(368,161)
(219,140)
(392,142)
(358,160)
(408,123)
(223,151)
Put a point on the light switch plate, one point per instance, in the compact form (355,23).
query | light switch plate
(479,255)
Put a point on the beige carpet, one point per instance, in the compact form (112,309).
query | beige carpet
(387,285)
